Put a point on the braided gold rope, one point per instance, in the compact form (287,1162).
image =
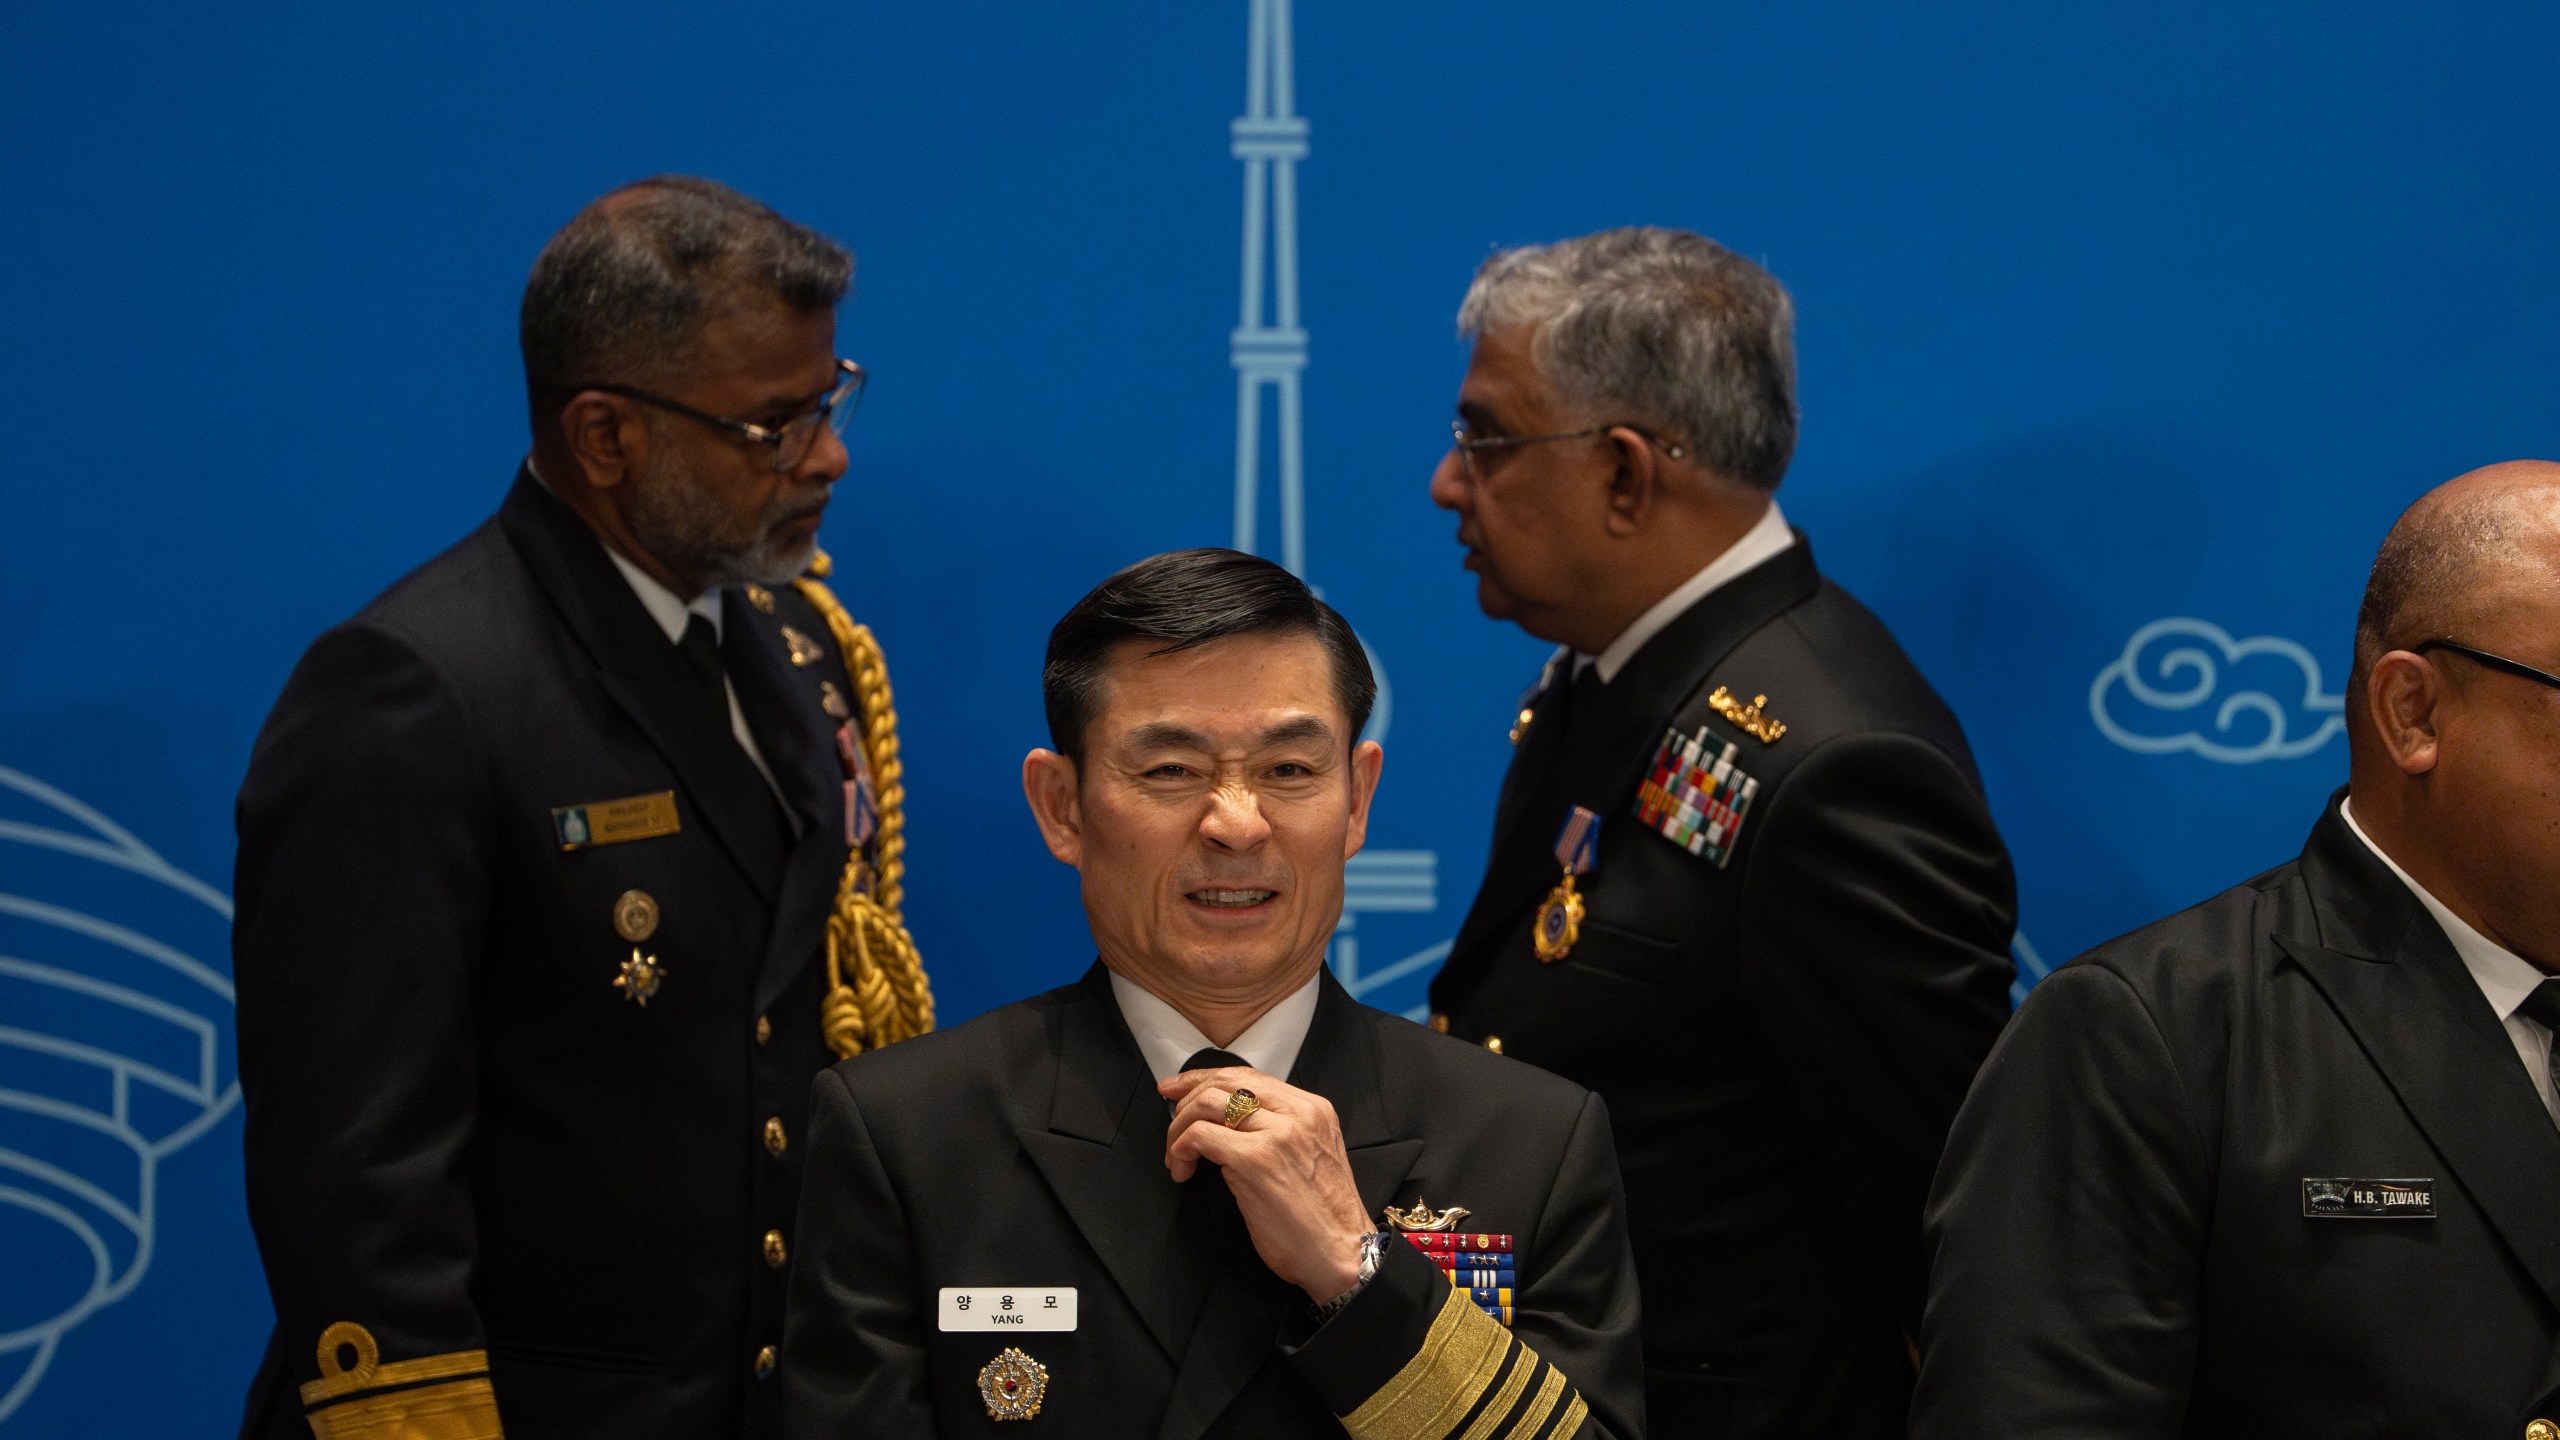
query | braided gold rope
(877,993)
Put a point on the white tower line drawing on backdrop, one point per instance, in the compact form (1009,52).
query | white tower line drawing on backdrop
(1269,346)
(1269,351)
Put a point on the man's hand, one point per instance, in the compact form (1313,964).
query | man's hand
(1286,1167)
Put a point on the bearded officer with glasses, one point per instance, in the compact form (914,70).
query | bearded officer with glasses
(565,865)
(2284,1164)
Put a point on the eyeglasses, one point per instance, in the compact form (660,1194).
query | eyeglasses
(2494,662)
(792,439)
(1472,447)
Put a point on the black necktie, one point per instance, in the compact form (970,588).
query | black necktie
(2543,1005)
(1208,1229)
(701,650)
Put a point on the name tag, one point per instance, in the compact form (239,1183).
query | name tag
(999,1307)
(610,822)
(2347,1199)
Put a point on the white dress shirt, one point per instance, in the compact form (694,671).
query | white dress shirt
(672,615)
(1767,536)
(1270,1044)
(2502,975)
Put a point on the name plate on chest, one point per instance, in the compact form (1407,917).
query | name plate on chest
(1009,1307)
(2349,1199)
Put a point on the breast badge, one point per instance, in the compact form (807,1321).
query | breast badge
(1694,801)
(1013,1385)
(640,977)
(1560,918)
(635,916)
(1751,719)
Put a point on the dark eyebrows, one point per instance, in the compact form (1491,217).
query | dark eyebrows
(1165,735)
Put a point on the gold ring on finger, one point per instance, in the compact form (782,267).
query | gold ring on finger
(1239,1105)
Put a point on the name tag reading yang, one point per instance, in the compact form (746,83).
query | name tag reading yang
(1009,1307)
(2348,1199)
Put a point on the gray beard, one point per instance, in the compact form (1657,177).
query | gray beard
(677,519)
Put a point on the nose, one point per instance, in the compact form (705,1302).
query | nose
(826,461)
(1235,820)
(1449,480)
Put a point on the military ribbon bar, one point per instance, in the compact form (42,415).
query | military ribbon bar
(1696,798)
(1578,843)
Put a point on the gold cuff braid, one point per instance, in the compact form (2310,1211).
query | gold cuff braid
(1470,1363)
(877,992)
(446,1397)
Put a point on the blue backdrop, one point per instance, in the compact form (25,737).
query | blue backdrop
(2125,332)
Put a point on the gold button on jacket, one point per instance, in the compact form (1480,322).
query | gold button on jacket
(764,1362)
(2542,1430)
(774,1140)
(775,1252)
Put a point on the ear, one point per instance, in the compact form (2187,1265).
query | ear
(1635,480)
(607,436)
(2403,697)
(1367,759)
(1049,783)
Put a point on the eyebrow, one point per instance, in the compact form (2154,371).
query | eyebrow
(1165,735)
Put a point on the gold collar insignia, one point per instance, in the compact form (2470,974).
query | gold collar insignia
(1747,718)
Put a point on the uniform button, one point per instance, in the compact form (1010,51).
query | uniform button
(775,1252)
(1440,1022)
(2542,1430)
(765,1361)
(774,1140)
(764,1029)
(1493,1043)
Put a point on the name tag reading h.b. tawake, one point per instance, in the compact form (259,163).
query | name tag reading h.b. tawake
(1009,1307)
(2350,1199)
(609,822)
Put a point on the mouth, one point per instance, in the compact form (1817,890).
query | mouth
(1231,901)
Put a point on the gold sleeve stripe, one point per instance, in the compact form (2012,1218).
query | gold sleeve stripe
(440,1397)
(1571,1420)
(1533,1418)
(457,1410)
(1524,1363)
(1460,1358)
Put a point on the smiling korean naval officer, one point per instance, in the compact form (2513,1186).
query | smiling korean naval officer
(549,859)
(1104,1211)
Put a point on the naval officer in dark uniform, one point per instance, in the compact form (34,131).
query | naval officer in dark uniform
(1743,879)
(2284,1165)
(1202,1192)
(549,858)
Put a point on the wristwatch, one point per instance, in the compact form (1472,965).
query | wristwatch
(1372,1249)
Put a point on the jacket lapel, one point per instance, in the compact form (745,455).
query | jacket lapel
(801,754)
(2387,968)
(1102,1152)
(1615,731)
(1240,1322)
(647,678)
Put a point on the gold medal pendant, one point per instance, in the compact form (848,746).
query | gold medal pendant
(1560,919)
(1559,923)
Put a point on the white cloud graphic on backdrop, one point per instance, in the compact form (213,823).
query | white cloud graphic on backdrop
(114,1054)
(2185,684)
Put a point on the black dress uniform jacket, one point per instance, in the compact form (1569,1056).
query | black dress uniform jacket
(461,1136)
(1026,1148)
(2121,1241)
(1782,1038)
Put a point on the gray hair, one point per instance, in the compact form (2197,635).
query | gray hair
(624,290)
(1667,328)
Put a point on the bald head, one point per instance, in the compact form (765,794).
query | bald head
(2454,750)
(2461,557)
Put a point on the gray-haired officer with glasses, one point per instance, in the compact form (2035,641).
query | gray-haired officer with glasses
(1744,882)
(2286,1164)
(538,858)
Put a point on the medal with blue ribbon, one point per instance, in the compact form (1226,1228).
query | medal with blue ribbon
(1560,919)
